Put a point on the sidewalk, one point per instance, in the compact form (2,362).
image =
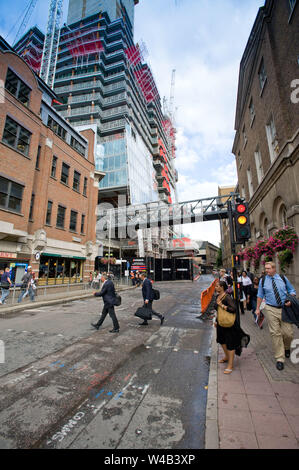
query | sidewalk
(52,299)
(255,407)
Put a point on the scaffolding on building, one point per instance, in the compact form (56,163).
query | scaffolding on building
(84,43)
(142,71)
(32,54)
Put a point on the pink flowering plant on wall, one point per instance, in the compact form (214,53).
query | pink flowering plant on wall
(283,242)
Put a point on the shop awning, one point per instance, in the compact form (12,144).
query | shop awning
(56,255)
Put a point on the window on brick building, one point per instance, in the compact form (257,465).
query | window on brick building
(31,207)
(17,87)
(77,146)
(250,184)
(259,164)
(38,158)
(11,195)
(85,187)
(54,166)
(272,138)
(243,193)
(49,213)
(16,136)
(73,221)
(65,170)
(82,223)
(239,159)
(252,111)
(60,217)
(262,74)
(56,128)
(244,137)
(76,181)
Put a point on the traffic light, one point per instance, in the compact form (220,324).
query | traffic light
(237,261)
(242,222)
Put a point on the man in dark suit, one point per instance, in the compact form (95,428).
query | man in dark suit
(109,297)
(148,297)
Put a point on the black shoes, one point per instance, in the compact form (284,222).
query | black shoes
(287,353)
(162,320)
(144,323)
(113,331)
(95,325)
(279,365)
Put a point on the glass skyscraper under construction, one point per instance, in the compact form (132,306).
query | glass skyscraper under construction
(102,79)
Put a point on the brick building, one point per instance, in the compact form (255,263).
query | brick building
(48,182)
(266,143)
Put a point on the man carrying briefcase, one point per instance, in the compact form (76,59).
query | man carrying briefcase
(148,297)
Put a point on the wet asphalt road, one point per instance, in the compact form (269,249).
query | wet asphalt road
(65,385)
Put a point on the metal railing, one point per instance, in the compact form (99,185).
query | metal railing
(60,291)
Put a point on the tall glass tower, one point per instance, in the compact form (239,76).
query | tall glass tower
(103,79)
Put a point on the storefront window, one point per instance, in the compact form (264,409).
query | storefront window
(58,270)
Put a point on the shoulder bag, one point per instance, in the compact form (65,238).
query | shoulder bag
(224,318)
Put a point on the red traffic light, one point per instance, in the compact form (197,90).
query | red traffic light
(241,208)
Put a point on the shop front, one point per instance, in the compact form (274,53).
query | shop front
(17,266)
(56,269)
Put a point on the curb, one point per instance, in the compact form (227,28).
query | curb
(212,430)
(18,308)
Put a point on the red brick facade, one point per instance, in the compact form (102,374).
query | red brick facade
(266,144)
(24,236)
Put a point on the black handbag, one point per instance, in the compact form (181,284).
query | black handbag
(143,313)
(156,294)
(117,302)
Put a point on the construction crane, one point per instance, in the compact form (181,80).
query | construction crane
(171,99)
(49,58)
(27,14)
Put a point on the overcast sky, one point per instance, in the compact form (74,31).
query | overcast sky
(204,41)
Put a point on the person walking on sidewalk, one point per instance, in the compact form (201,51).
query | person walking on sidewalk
(148,297)
(233,338)
(274,290)
(26,287)
(253,295)
(5,285)
(109,297)
(246,284)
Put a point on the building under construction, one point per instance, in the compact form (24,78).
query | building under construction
(102,78)
(30,47)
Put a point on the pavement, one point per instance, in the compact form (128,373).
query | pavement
(52,299)
(255,407)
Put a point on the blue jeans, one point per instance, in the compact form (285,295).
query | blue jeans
(30,292)
(5,294)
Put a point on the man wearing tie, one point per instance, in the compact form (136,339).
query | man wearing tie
(274,290)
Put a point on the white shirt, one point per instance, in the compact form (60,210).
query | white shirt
(246,281)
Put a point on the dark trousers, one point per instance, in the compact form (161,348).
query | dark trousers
(150,305)
(109,309)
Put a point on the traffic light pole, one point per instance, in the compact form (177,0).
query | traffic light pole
(233,250)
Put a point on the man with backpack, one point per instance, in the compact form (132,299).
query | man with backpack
(5,285)
(274,289)
(148,297)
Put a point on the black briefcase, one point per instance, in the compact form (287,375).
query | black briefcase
(117,301)
(143,313)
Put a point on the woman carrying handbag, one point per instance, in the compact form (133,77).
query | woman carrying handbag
(229,333)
